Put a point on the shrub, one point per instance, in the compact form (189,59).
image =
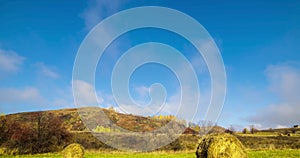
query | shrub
(73,151)
(51,131)
(245,131)
(253,130)
(220,146)
(3,130)
(106,129)
(176,145)
(5,151)
(44,133)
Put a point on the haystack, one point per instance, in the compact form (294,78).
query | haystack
(220,146)
(73,151)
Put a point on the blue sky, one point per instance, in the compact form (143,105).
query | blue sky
(259,43)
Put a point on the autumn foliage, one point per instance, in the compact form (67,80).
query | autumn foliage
(45,132)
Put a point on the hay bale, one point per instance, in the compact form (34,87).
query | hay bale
(73,151)
(220,146)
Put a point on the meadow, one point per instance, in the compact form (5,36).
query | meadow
(19,136)
(252,154)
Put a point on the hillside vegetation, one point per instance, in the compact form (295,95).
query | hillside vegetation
(73,122)
(51,131)
(47,131)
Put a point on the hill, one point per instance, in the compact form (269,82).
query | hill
(48,131)
(73,122)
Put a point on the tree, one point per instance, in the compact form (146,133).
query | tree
(51,132)
(252,129)
(111,108)
(23,139)
(205,127)
(3,129)
(45,132)
(245,130)
(230,130)
(194,126)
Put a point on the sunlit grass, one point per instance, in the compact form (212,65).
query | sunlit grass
(189,154)
(274,154)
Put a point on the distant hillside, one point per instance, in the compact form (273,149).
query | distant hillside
(50,131)
(283,131)
(73,122)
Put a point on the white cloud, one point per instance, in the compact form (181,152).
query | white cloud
(199,64)
(187,111)
(285,83)
(13,96)
(63,97)
(31,99)
(281,126)
(142,90)
(10,61)
(46,71)
(172,105)
(84,94)
(99,9)
(258,126)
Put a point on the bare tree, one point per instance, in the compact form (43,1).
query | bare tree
(245,130)
(205,127)
(252,129)
(3,129)
(230,130)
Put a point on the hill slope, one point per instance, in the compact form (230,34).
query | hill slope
(73,122)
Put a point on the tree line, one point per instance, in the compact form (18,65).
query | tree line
(45,132)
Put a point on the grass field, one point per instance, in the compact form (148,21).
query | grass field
(274,154)
(252,154)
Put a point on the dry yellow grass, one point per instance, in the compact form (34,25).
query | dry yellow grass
(220,146)
(73,151)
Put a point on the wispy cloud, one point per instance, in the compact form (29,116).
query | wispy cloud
(285,84)
(98,10)
(142,90)
(10,61)
(31,98)
(46,70)
(199,64)
(84,94)
(14,96)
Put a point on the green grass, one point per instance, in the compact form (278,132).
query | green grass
(114,155)
(259,134)
(274,153)
(143,155)
(251,153)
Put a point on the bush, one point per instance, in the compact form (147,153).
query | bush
(51,132)
(44,133)
(73,151)
(3,130)
(101,129)
(5,151)
(253,130)
(245,131)
(88,141)
(220,146)
(176,145)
